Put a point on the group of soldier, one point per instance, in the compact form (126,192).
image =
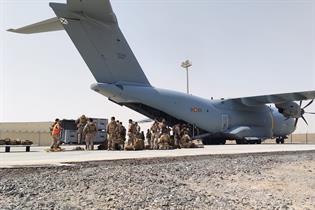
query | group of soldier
(116,135)
(86,131)
(159,136)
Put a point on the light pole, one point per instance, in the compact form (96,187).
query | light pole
(186,64)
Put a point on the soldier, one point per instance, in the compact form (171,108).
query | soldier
(155,134)
(111,131)
(138,144)
(55,133)
(163,127)
(137,129)
(89,131)
(131,132)
(122,133)
(148,137)
(142,135)
(176,133)
(116,143)
(164,142)
(185,141)
(118,140)
(164,137)
(81,122)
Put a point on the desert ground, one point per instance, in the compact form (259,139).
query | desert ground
(281,180)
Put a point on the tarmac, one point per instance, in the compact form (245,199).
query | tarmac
(39,157)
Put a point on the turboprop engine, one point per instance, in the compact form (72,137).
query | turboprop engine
(290,109)
(294,110)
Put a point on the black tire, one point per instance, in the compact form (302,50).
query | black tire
(277,141)
(282,141)
(206,141)
(240,141)
(258,141)
(216,142)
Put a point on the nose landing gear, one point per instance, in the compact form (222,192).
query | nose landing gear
(280,140)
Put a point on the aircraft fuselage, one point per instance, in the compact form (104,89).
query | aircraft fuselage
(213,116)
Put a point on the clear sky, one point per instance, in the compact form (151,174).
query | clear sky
(238,48)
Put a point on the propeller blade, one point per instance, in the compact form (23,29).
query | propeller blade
(301,103)
(310,112)
(308,104)
(296,121)
(304,120)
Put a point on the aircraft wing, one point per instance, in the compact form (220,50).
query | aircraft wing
(275,98)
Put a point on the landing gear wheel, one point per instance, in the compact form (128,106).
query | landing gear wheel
(258,141)
(277,141)
(282,140)
(206,141)
(241,141)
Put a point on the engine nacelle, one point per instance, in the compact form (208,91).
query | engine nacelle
(290,109)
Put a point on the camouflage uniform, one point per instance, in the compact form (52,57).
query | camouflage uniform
(164,142)
(176,133)
(132,131)
(81,122)
(155,134)
(122,134)
(111,131)
(148,137)
(185,141)
(138,144)
(163,127)
(90,131)
(137,130)
(117,140)
(184,130)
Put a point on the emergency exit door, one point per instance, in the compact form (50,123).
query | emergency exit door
(225,122)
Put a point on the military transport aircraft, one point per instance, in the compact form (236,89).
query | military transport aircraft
(93,28)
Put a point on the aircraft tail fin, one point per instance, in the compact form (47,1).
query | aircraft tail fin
(93,28)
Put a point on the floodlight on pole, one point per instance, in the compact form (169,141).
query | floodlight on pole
(186,64)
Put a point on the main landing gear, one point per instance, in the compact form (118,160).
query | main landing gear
(212,141)
(244,141)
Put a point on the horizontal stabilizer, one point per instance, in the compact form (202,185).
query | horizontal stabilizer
(52,24)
